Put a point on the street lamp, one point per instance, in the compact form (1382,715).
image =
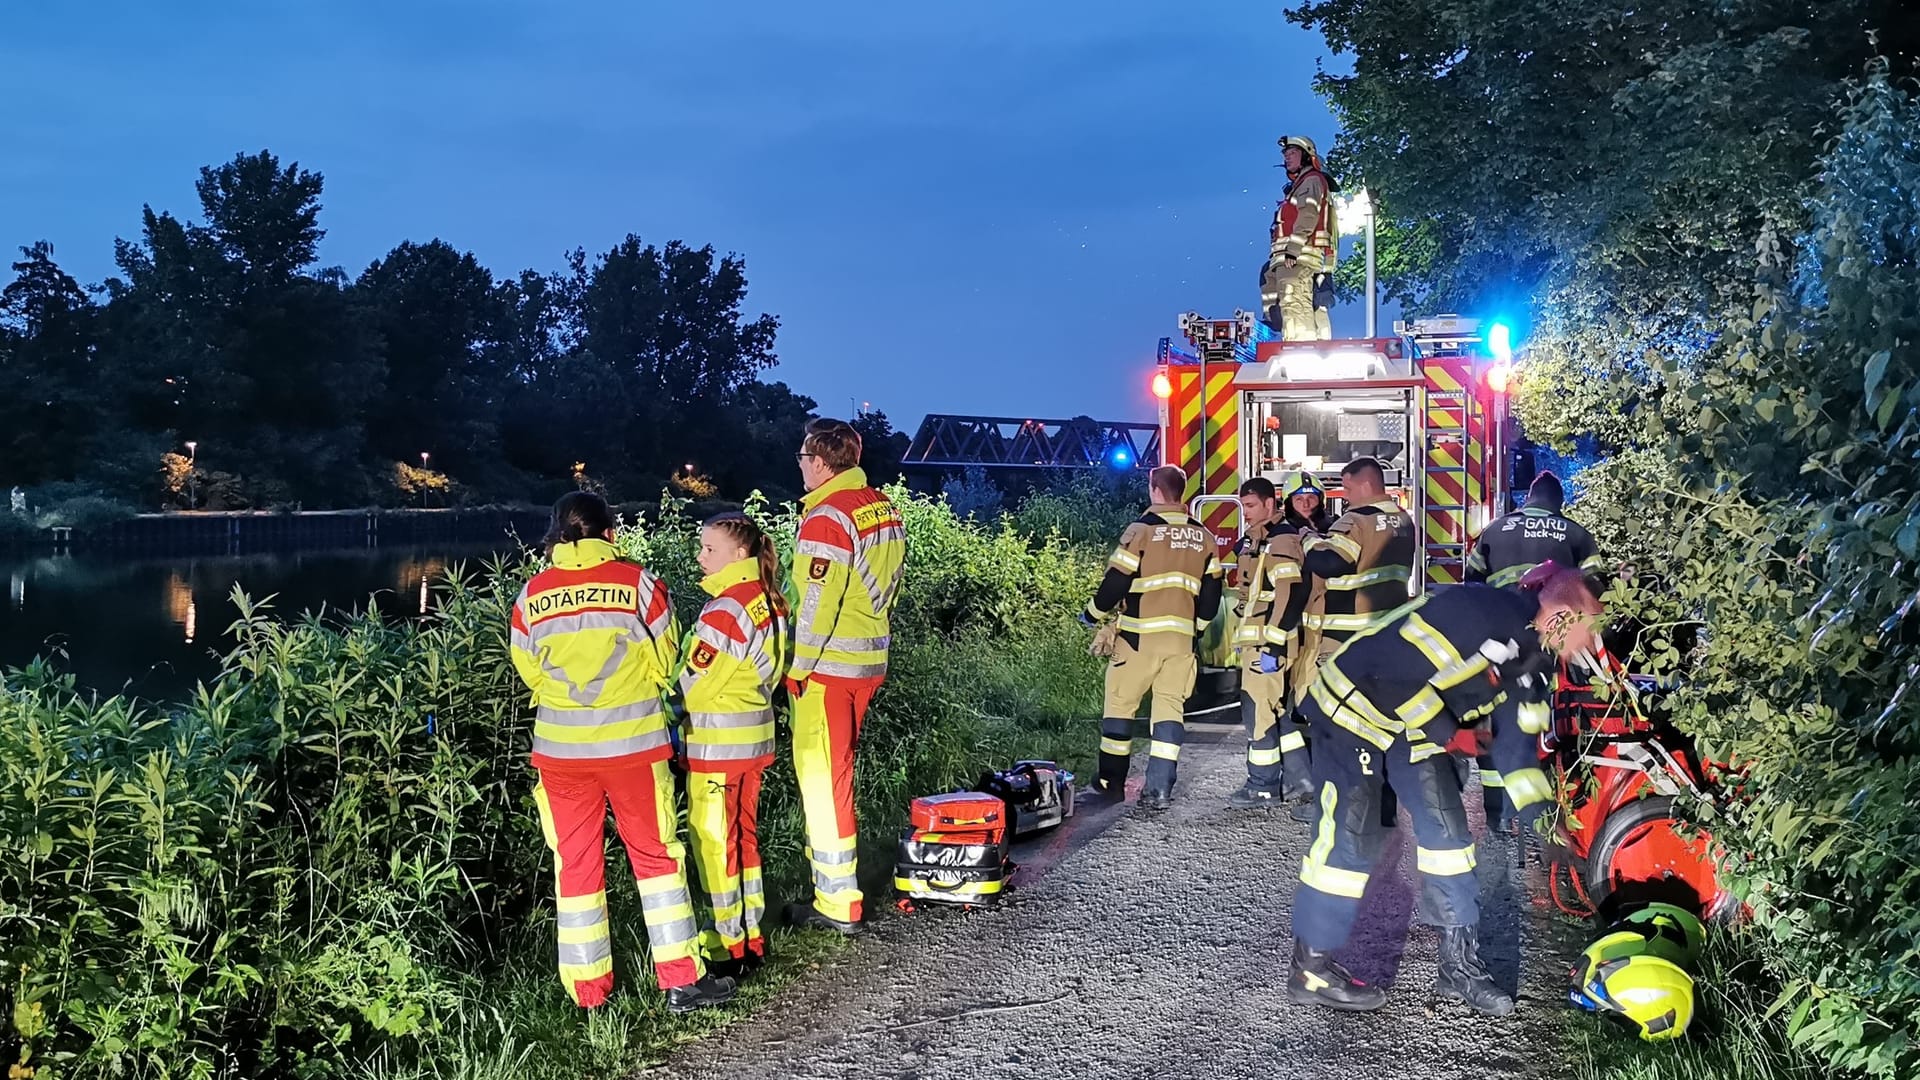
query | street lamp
(423,480)
(1356,217)
(193,492)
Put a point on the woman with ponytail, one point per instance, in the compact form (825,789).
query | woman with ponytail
(594,639)
(735,656)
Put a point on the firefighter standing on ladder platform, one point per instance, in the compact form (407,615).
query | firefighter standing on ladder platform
(1304,238)
(1165,578)
(1266,625)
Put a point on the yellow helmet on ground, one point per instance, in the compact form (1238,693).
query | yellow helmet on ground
(1680,936)
(1618,977)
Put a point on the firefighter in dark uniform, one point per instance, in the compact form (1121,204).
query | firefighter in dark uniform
(1360,570)
(1165,578)
(1508,548)
(1383,710)
(1538,532)
(1265,626)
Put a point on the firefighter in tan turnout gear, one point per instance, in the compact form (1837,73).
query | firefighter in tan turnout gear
(1304,240)
(1266,624)
(1165,579)
(1359,571)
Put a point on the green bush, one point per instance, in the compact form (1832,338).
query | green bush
(1781,505)
(85,512)
(19,530)
(327,862)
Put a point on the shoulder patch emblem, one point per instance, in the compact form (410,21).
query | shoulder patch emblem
(818,570)
(703,656)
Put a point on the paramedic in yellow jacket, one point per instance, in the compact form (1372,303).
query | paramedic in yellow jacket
(1304,239)
(735,656)
(847,566)
(594,638)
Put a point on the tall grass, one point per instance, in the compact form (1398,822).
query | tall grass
(327,862)
(1736,1034)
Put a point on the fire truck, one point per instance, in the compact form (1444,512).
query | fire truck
(1429,404)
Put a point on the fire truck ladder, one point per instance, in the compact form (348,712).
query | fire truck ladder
(1446,413)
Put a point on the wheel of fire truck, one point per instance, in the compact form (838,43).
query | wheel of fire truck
(1640,856)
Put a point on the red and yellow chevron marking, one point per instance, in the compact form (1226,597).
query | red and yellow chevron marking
(1216,471)
(1451,406)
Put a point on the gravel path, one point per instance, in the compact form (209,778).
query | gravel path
(1156,948)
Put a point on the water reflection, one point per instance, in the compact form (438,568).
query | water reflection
(180,608)
(133,624)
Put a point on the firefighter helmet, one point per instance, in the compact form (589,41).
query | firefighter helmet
(1303,483)
(1305,146)
(1672,932)
(1618,978)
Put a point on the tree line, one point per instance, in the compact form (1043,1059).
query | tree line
(1705,215)
(222,367)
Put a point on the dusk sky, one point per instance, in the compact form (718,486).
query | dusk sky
(992,207)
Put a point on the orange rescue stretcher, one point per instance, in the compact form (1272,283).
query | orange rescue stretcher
(1625,778)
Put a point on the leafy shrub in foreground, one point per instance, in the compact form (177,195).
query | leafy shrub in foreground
(329,856)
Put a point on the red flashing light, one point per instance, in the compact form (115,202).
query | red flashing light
(1499,377)
(1162,386)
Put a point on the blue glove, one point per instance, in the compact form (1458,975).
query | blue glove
(1268,663)
(1087,619)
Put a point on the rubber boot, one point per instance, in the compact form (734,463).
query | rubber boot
(1464,977)
(1316,979)
(1153,800)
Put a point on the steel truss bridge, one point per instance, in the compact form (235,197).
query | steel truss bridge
(955,443)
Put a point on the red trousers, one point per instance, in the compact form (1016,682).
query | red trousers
(826,728)
(573,813)
(723,812)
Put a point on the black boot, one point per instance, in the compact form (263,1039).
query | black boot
(808,917)
(709,992)
(1463,976)
(1252,798)
(1316,979)
(1153,800)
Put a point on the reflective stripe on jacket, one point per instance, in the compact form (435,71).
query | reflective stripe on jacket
(847,566)
(1516,543)
(594,638)
(1364,566)
(1465,656)
(1303,226)
(1274,578)
(733,657)
(1165,577)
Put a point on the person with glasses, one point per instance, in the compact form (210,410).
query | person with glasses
(848,561)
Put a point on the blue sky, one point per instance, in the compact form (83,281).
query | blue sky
(991,207)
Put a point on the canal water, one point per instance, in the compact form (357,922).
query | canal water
(154,627)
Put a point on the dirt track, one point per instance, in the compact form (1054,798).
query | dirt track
(1157,947)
